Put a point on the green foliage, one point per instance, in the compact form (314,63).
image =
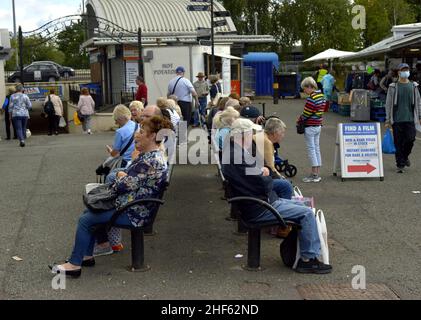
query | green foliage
(68,42)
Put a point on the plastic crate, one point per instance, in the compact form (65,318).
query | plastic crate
(344,110)
(375,104)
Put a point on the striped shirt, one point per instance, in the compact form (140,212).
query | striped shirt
(314,110)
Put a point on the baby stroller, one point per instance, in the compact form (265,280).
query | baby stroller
(283,166)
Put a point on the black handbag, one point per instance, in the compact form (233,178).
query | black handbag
(100,199)
(301,128)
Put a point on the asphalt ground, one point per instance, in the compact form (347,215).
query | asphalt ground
(370,223)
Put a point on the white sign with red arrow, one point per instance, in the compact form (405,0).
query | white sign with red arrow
(360,150)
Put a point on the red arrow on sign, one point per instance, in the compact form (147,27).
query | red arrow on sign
(368,168)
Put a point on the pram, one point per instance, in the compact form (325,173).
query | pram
(283,166)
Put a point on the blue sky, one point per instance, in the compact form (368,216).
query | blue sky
(31,14)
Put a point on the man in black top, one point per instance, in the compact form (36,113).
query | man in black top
(248,178)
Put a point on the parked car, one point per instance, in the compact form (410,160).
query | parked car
(36,73)
(65,72)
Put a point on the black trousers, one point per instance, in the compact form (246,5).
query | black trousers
(53,122)
(404,134)
(8,123)
(186,109)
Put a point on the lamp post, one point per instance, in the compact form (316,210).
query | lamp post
(213,69)
(139,46)
(22,80)
(14,31)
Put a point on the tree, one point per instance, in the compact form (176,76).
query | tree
(69,41)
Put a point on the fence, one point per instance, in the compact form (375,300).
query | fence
(249,81)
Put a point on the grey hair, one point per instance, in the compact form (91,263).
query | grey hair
(228,117)
(121,112)
(19,88)
(273,125)
(309,82)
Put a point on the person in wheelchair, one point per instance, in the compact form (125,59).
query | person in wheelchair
(248,179)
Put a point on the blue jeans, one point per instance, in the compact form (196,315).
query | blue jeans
(85,239)
(201,111)
(20,123)
(283,188)
(297,212)
(312,136)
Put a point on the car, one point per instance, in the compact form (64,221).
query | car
(65,72)
(36,73)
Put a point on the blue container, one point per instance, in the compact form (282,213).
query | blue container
(265,63)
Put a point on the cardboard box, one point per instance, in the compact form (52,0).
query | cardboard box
(344,98)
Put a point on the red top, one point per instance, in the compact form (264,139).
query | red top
(142,93)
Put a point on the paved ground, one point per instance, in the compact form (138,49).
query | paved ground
(374,224)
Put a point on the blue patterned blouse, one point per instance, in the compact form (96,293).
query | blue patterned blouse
(145,178)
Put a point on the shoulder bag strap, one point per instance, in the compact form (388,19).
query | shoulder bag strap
(175,87)
(129,143)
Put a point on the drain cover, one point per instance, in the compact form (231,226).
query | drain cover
(345,292)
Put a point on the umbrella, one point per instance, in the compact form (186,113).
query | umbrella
(330,54)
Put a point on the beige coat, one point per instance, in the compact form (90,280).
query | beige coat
(58,105)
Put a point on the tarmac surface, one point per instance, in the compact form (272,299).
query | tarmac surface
(370,223)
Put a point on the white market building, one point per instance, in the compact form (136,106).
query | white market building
(169,40)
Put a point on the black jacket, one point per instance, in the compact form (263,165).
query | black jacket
(244,185)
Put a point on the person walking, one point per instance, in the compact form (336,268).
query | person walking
(19,107)
(184,90)
(85,110)
(312,119)
(54,117)
(202,89)
(403,114)
(5,108)
(142,91)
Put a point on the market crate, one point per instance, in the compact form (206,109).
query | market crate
(344,98)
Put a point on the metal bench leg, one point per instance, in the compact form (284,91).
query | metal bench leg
(253,257)
(241,228)
(138,252)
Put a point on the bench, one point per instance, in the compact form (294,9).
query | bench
(138,233)
(288,246)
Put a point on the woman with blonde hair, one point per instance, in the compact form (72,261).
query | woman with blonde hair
(225,121)
(85,110)
(136,109)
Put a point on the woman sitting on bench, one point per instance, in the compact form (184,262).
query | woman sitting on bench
(143,179)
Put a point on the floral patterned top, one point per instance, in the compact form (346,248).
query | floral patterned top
(145,178)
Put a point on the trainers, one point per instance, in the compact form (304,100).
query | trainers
(99,252)
(117,248)
(313,266)
(400,170)
(312,178)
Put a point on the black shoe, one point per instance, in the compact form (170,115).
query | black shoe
(87,263)
(50,134)
(408,163)
(8,138)
(400,170)
(22,144)
(313,266)
(56,133)
(70,273)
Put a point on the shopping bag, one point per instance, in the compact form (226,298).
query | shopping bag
(297,192)
(388,145)
(62,123)
(28,133)
(76,119)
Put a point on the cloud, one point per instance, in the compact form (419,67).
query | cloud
(32,14)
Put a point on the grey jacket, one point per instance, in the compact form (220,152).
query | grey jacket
(392,101)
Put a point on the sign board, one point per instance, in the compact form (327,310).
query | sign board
(359,149)
(39,93)
(130,53)
(220,23)
(196,7)
(132,72)
(37,75)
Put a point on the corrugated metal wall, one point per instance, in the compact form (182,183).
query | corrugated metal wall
(264,77)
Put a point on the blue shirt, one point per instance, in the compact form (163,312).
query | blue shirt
(221,136)
(183,90)
(122,138)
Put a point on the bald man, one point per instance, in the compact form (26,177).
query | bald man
(149,112)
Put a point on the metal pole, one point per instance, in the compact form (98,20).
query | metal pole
(139,45)
(213,39)
(256,22)
(14,31)
(21,55)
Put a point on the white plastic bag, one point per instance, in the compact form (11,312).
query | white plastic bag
(322,229)
(28,133)
(324,245)
(297,192)
(62,123)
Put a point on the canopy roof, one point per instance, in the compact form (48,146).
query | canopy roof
(330,54)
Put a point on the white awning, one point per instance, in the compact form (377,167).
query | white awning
(227,56)
(330,54)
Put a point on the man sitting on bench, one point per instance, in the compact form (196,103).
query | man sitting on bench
(248,178)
